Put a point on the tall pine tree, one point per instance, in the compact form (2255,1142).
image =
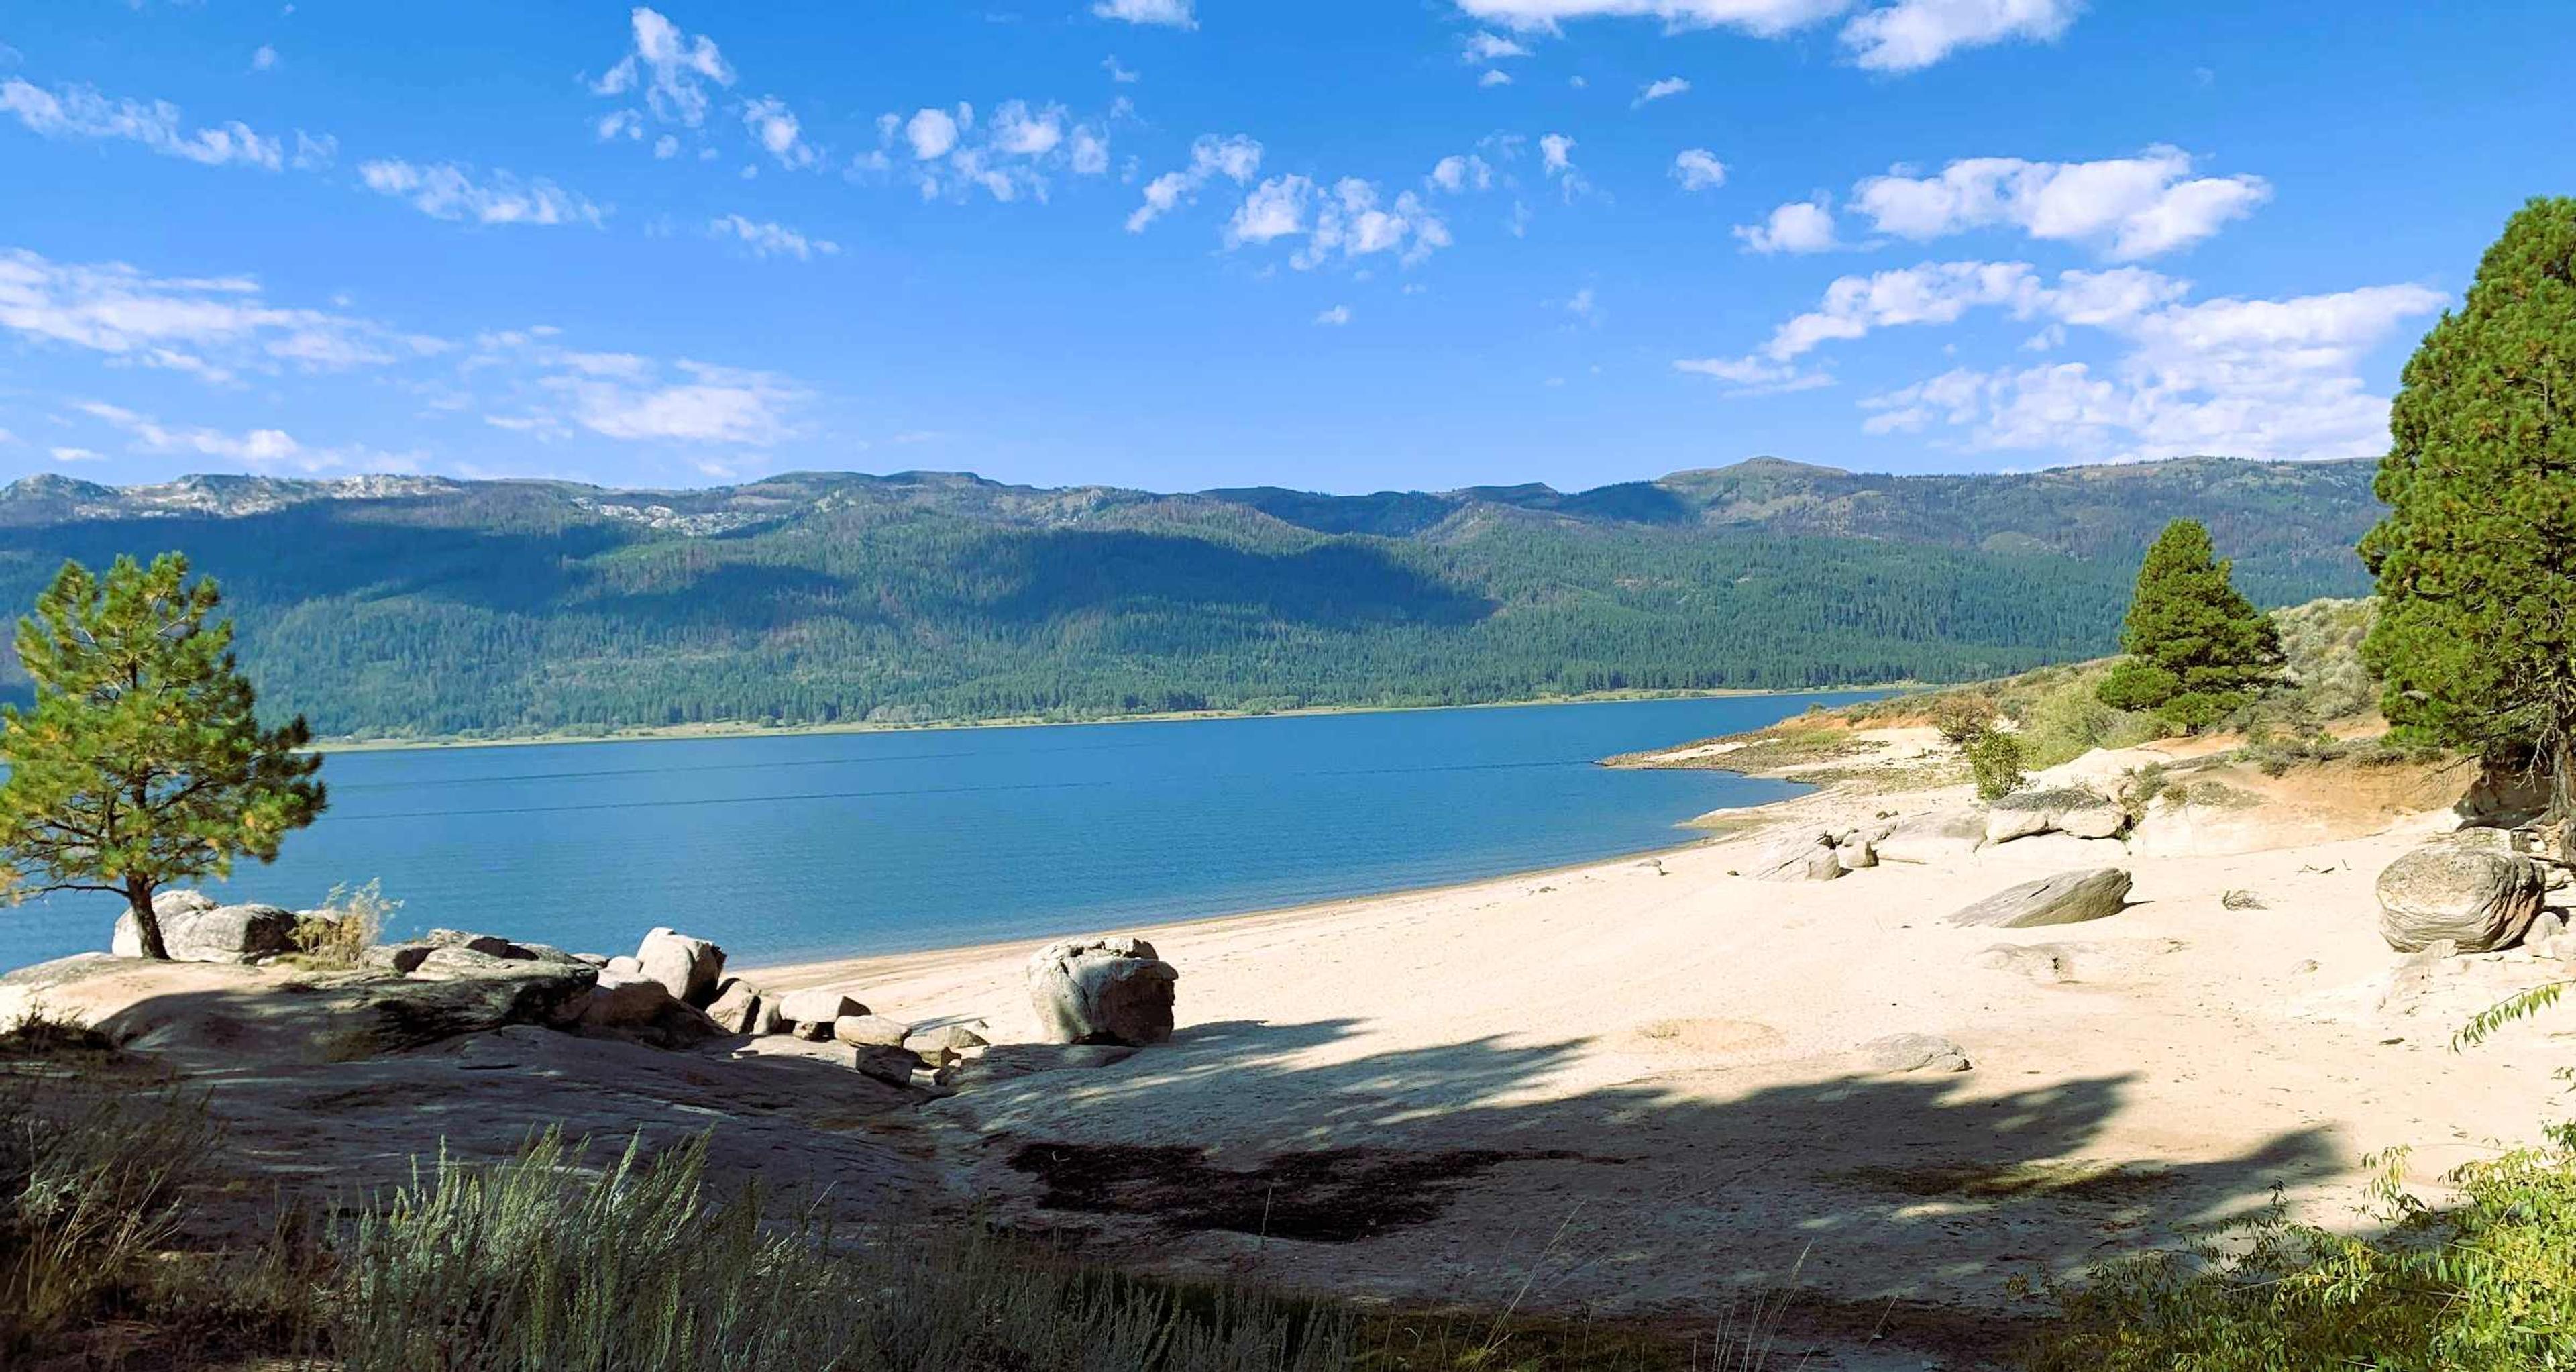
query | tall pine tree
(143,761)
(2476,560)
(2197,648)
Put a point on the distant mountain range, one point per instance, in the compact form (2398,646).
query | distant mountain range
(421,605)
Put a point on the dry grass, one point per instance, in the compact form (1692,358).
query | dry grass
(348,924)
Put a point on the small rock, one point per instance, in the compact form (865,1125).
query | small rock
(2067,898)
(625,1000)
(2241,900)
(886,1063)
(460,961)
(491,945)
(2047,963)
(1914,1053)
(402,959)
(813,1031)
(736,1007)
(623,966)
(945,1038)
(818,1006)
(870,1031)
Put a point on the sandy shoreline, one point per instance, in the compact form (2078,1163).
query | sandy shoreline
(1647,1070)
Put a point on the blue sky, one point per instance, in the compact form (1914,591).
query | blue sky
(1192,243)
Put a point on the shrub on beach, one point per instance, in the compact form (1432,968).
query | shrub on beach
(1996,758)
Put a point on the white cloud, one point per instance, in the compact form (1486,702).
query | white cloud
(620,124)
(1556,153)
(78,111)
(1496,77)
(1235,158)
(1698,169)
(1335,317)
(70,454)
(672,68)
(1753,376)
(1487,46)
(1022,133)
(1583,304)
(1914,34)
(1665,89)
(1169,13)
(932,133)
(770,239)
(1275,209)
(2127,208)
(1801,226)
(776,129)
(551,392)
(263,58)
(445,190)
(257,448)
(1903,36)
(1351,219)
(206,326)
(1460,172)
(1117,72)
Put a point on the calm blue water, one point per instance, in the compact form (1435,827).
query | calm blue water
(834,844)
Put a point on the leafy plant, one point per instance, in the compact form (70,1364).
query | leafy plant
(1996,759)
(2197,648)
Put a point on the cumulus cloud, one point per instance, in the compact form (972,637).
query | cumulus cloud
(1904,36)
(210,327)
(1496,77)
(1118,72)
(771,239)
(2127,208)
(2242,377)
(1168,13)
(1915,34)
(78,111)
(1665,89)
(1335,317)
(671,68)
(1460,172)
(1801,226)
(1556,156)
(1487,46)
(1698,169)
(1348,220)
(263,58)
(1008,156)
(446,190)
(1235,157)
(776,129)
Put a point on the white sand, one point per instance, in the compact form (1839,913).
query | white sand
(1686,1035)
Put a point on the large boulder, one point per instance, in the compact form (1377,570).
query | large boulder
(2060,810)
(2469,889)
(870,1031)
(737,1007)
(2067,898)
(196,932)
(1816,855)
(689,968)
(1937,836)
(818,1005)
(1103,990)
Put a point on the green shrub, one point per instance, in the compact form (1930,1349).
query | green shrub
(1996,760)
(2139,788)
(2486,1285)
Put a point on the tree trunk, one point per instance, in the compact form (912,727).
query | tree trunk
(147,925)
(2561,817)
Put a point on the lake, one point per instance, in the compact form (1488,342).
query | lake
(822,845)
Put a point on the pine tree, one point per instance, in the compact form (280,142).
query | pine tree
(142,761)
(2476,559)
(2197,648)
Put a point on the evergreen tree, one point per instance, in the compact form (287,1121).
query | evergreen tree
(142,761)
(2197,649)
(2476,559)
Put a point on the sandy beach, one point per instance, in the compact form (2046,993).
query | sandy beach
(1634,1088)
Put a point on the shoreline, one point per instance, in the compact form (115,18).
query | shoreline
(683,733)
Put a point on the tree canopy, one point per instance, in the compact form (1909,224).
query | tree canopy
(2476,558)
(142,760)
(2197,648)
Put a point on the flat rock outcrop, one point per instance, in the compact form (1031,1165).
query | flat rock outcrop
(1102,990)
(2070,810)
(2066,898)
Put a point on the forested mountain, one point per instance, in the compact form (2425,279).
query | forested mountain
(418,605)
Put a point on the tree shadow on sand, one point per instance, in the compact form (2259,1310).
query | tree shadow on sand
(1496,1169)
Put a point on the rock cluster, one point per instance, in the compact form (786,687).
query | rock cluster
(1822,854)
(672,992)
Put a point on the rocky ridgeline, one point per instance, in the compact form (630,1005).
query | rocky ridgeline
(1094,1000)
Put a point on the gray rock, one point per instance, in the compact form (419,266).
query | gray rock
(1800,857)
(1003,1061)
(625,1000)
(814,1031)
(1854,853)
(220,933)
(817,1006)
(468,962)
(1934,837)
(2105,820)
(1102,990)
(1914,1053)
(737,1007)
(2465,890)
(870,1031)
(492,945)
(182,901)
(402,959)
(2064,810)
(2067,898)
(886,1063)
(945,1038)
(688,968)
